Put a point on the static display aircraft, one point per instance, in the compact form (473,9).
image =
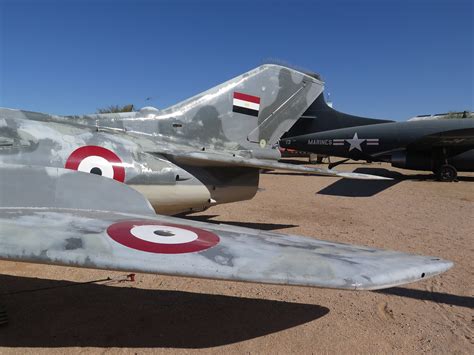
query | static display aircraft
(442,146)
(80,191)
(203,151)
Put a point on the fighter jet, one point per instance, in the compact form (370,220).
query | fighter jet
(203,151)
(443,146)
(80,191)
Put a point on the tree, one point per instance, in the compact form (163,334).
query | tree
(117,108)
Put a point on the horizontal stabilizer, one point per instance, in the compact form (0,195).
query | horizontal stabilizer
(198,158)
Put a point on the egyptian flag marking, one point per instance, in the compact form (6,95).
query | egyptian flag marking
(246,104)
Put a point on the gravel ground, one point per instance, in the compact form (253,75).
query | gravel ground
(176,315)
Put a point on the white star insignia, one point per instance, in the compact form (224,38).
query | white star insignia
(355,142)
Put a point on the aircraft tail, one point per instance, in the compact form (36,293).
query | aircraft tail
(320,117)
(249,112)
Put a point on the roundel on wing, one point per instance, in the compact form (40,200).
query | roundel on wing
(161,238)
(97,160)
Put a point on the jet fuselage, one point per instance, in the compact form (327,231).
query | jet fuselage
(184,158)
(170,188)
(409,145)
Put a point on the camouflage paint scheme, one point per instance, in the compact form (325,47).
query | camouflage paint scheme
(58,225)
(188,157)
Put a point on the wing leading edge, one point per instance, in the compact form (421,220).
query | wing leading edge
(142,242)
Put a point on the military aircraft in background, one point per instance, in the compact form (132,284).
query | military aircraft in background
(443,146)
(79,191)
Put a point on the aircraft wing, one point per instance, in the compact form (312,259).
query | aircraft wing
(202,158)
(65,217)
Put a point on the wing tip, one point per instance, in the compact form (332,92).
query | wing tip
(433,267)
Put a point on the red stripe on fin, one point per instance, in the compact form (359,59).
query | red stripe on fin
(245,97)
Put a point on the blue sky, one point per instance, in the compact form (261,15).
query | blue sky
(385,58)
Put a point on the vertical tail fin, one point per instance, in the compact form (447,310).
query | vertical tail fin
(248,112)
(320,117)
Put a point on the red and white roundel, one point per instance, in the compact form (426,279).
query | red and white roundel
(97,160)
(161,238)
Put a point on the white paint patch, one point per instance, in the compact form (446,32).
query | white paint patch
(94,161)
(163,234)
(246,104)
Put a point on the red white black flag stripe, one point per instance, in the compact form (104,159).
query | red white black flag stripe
(246,104)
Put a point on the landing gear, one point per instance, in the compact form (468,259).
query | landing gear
(446,173)
(443,170)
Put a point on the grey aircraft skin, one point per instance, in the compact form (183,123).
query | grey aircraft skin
(442,146)
(201,152)
(83,191)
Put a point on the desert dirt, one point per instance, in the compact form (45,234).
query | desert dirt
(178,315)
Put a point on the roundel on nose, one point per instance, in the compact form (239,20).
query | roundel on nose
(97,160)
